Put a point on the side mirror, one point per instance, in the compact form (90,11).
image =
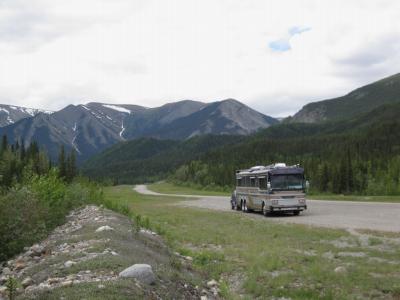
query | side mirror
(268,185)
(307,184)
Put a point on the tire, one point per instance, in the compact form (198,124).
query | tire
(244,206)
(296,212)
(264,210)
(233,206)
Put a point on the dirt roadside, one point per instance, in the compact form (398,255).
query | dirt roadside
(83,258)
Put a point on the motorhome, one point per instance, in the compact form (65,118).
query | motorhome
(270,189)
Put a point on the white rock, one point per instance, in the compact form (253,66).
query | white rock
(26,282)
(3,290)
(340,269)
(66,283)
(37,250)
(189,258)
(212,283)
(6,271)
(142,272)
(104,228)
(203,298)
(101,286)
(69,263)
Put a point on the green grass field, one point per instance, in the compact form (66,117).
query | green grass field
(356,198)
(258,258)
(170,188)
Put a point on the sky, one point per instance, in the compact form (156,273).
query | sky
(274,56)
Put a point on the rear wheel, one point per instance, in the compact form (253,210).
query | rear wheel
(296,212)
(244,206)
(238,207)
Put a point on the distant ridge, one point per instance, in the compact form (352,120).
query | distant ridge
(92,127)
(364,99)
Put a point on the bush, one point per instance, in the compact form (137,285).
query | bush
(29,212)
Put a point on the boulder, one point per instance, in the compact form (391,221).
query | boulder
(26,282)
(37,250)
(142,272)
(340,269)
(69,263)
(19,265)
(66,283)
(212,283)
(104,228)
(6,271)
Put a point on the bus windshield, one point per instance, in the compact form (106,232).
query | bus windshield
(287,182)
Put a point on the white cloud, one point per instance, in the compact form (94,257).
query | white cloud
(53,52)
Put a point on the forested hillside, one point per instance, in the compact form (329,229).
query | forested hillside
(149,159)
(361,155)
(363,99)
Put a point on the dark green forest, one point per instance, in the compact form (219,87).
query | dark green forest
(149,159)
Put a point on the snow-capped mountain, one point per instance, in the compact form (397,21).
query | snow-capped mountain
(9,114)
(92,127)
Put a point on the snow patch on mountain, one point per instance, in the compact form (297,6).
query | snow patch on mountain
(117,108)
(122,129)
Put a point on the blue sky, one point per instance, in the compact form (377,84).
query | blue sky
(283,44)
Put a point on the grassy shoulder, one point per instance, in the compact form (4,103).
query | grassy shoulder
(171,188)
(257,258)
(394,199)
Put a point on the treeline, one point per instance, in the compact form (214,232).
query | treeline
(36,195)
(365,161)
(150,159)
(18,162)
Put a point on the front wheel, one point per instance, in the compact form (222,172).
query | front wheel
(264,210)
(296,212)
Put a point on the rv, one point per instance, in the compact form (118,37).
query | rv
(270,189)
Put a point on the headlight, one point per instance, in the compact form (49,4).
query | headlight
(302,201)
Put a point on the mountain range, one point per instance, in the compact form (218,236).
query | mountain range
(93,127)
(367,131)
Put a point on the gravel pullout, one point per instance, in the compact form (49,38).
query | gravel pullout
(333,214)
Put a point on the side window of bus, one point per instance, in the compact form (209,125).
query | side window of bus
(262,183)
(252,181)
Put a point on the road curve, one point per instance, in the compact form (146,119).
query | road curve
(333,214)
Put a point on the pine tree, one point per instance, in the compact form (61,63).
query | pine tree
(4,144)
(71,166)
(62,163)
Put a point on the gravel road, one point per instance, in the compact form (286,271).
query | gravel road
(334,214)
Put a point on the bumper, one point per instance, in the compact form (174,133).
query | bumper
(288,208)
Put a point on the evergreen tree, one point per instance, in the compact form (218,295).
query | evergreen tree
(62,172)
(4,144)
(71,166)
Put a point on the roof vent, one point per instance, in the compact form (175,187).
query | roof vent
(280,165)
